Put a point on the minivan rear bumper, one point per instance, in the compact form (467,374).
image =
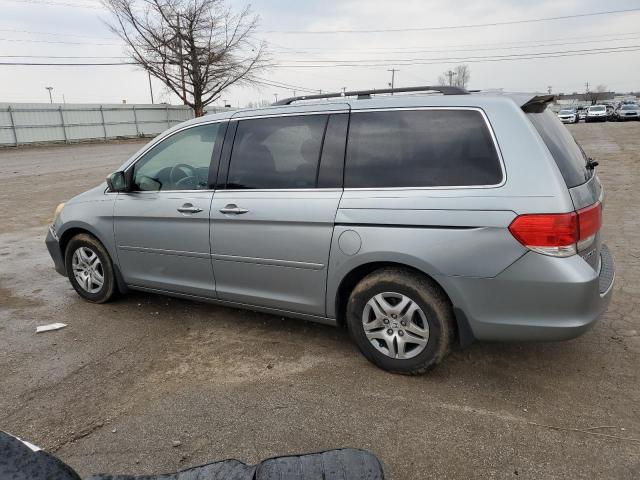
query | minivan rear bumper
(537,298)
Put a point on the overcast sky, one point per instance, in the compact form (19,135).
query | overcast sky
(76,28)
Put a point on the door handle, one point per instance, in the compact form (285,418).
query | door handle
(189,208)
(233,209)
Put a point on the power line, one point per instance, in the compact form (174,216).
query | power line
(51,3)
(457,59)
(514,47)
(456,27)
(434,61)
(495,58)
(424,48)
(58,34)
(284,86)
(42,64)
(28,40)
(57,56)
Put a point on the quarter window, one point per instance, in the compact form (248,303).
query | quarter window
(420,148)
(278,152)
(181,162)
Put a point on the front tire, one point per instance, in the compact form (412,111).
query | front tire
(89,269)
(400,320)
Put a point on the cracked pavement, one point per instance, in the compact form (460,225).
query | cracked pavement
(123,383)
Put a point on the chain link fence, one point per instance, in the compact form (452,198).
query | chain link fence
(29,123)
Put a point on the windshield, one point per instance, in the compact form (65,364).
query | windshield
(629,107)
(566,112)
(597,108)
(566,152)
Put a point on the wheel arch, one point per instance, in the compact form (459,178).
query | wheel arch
(77,228)
(463,333)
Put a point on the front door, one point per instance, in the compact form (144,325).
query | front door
(271,227)
(162,224)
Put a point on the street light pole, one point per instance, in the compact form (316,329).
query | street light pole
(50,97)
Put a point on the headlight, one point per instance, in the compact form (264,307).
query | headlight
(57,211)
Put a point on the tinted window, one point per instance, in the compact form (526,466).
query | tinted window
(420,148)
(564,149)
(181,162)
(280,152)
(332,161)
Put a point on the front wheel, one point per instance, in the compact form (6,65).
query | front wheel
(400,320)
(89,269)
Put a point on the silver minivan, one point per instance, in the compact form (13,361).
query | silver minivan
(418,222)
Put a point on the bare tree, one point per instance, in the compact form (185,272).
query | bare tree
(594,96)
(463,75)
(259,104)
(195,47)
(458,77)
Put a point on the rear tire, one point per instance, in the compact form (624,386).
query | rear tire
(89,269)
(409,337)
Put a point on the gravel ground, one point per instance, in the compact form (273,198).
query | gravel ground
(115,389)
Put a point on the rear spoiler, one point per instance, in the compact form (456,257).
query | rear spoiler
(537,104)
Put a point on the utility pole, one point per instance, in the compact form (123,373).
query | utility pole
(276,95)
(344,91)
(150,86)
(50,97)
(393,77)
(450,74)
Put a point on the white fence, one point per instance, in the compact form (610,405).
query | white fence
(30,123)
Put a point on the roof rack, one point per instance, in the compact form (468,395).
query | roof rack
(365,94)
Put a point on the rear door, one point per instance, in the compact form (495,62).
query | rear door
(271,225)
(162,225)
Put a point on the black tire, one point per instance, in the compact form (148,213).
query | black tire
(429,298)
(108,289)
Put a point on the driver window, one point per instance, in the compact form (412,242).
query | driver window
(181,162)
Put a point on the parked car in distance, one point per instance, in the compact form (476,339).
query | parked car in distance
(568,115)
(417,221)
(628,111)
(596,113)
(582,113)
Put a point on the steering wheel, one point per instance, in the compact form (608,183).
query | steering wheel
(188,176)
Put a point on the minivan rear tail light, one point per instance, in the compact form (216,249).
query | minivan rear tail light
(558,234)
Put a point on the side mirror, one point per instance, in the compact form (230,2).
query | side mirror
(117,182)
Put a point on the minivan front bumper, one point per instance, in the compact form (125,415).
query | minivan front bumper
(53,245)
(538,298)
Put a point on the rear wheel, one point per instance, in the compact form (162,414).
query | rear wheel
(400,320)
(89,269)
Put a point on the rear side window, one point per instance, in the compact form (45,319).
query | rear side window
(420,148)
(569,157)
(280,152)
